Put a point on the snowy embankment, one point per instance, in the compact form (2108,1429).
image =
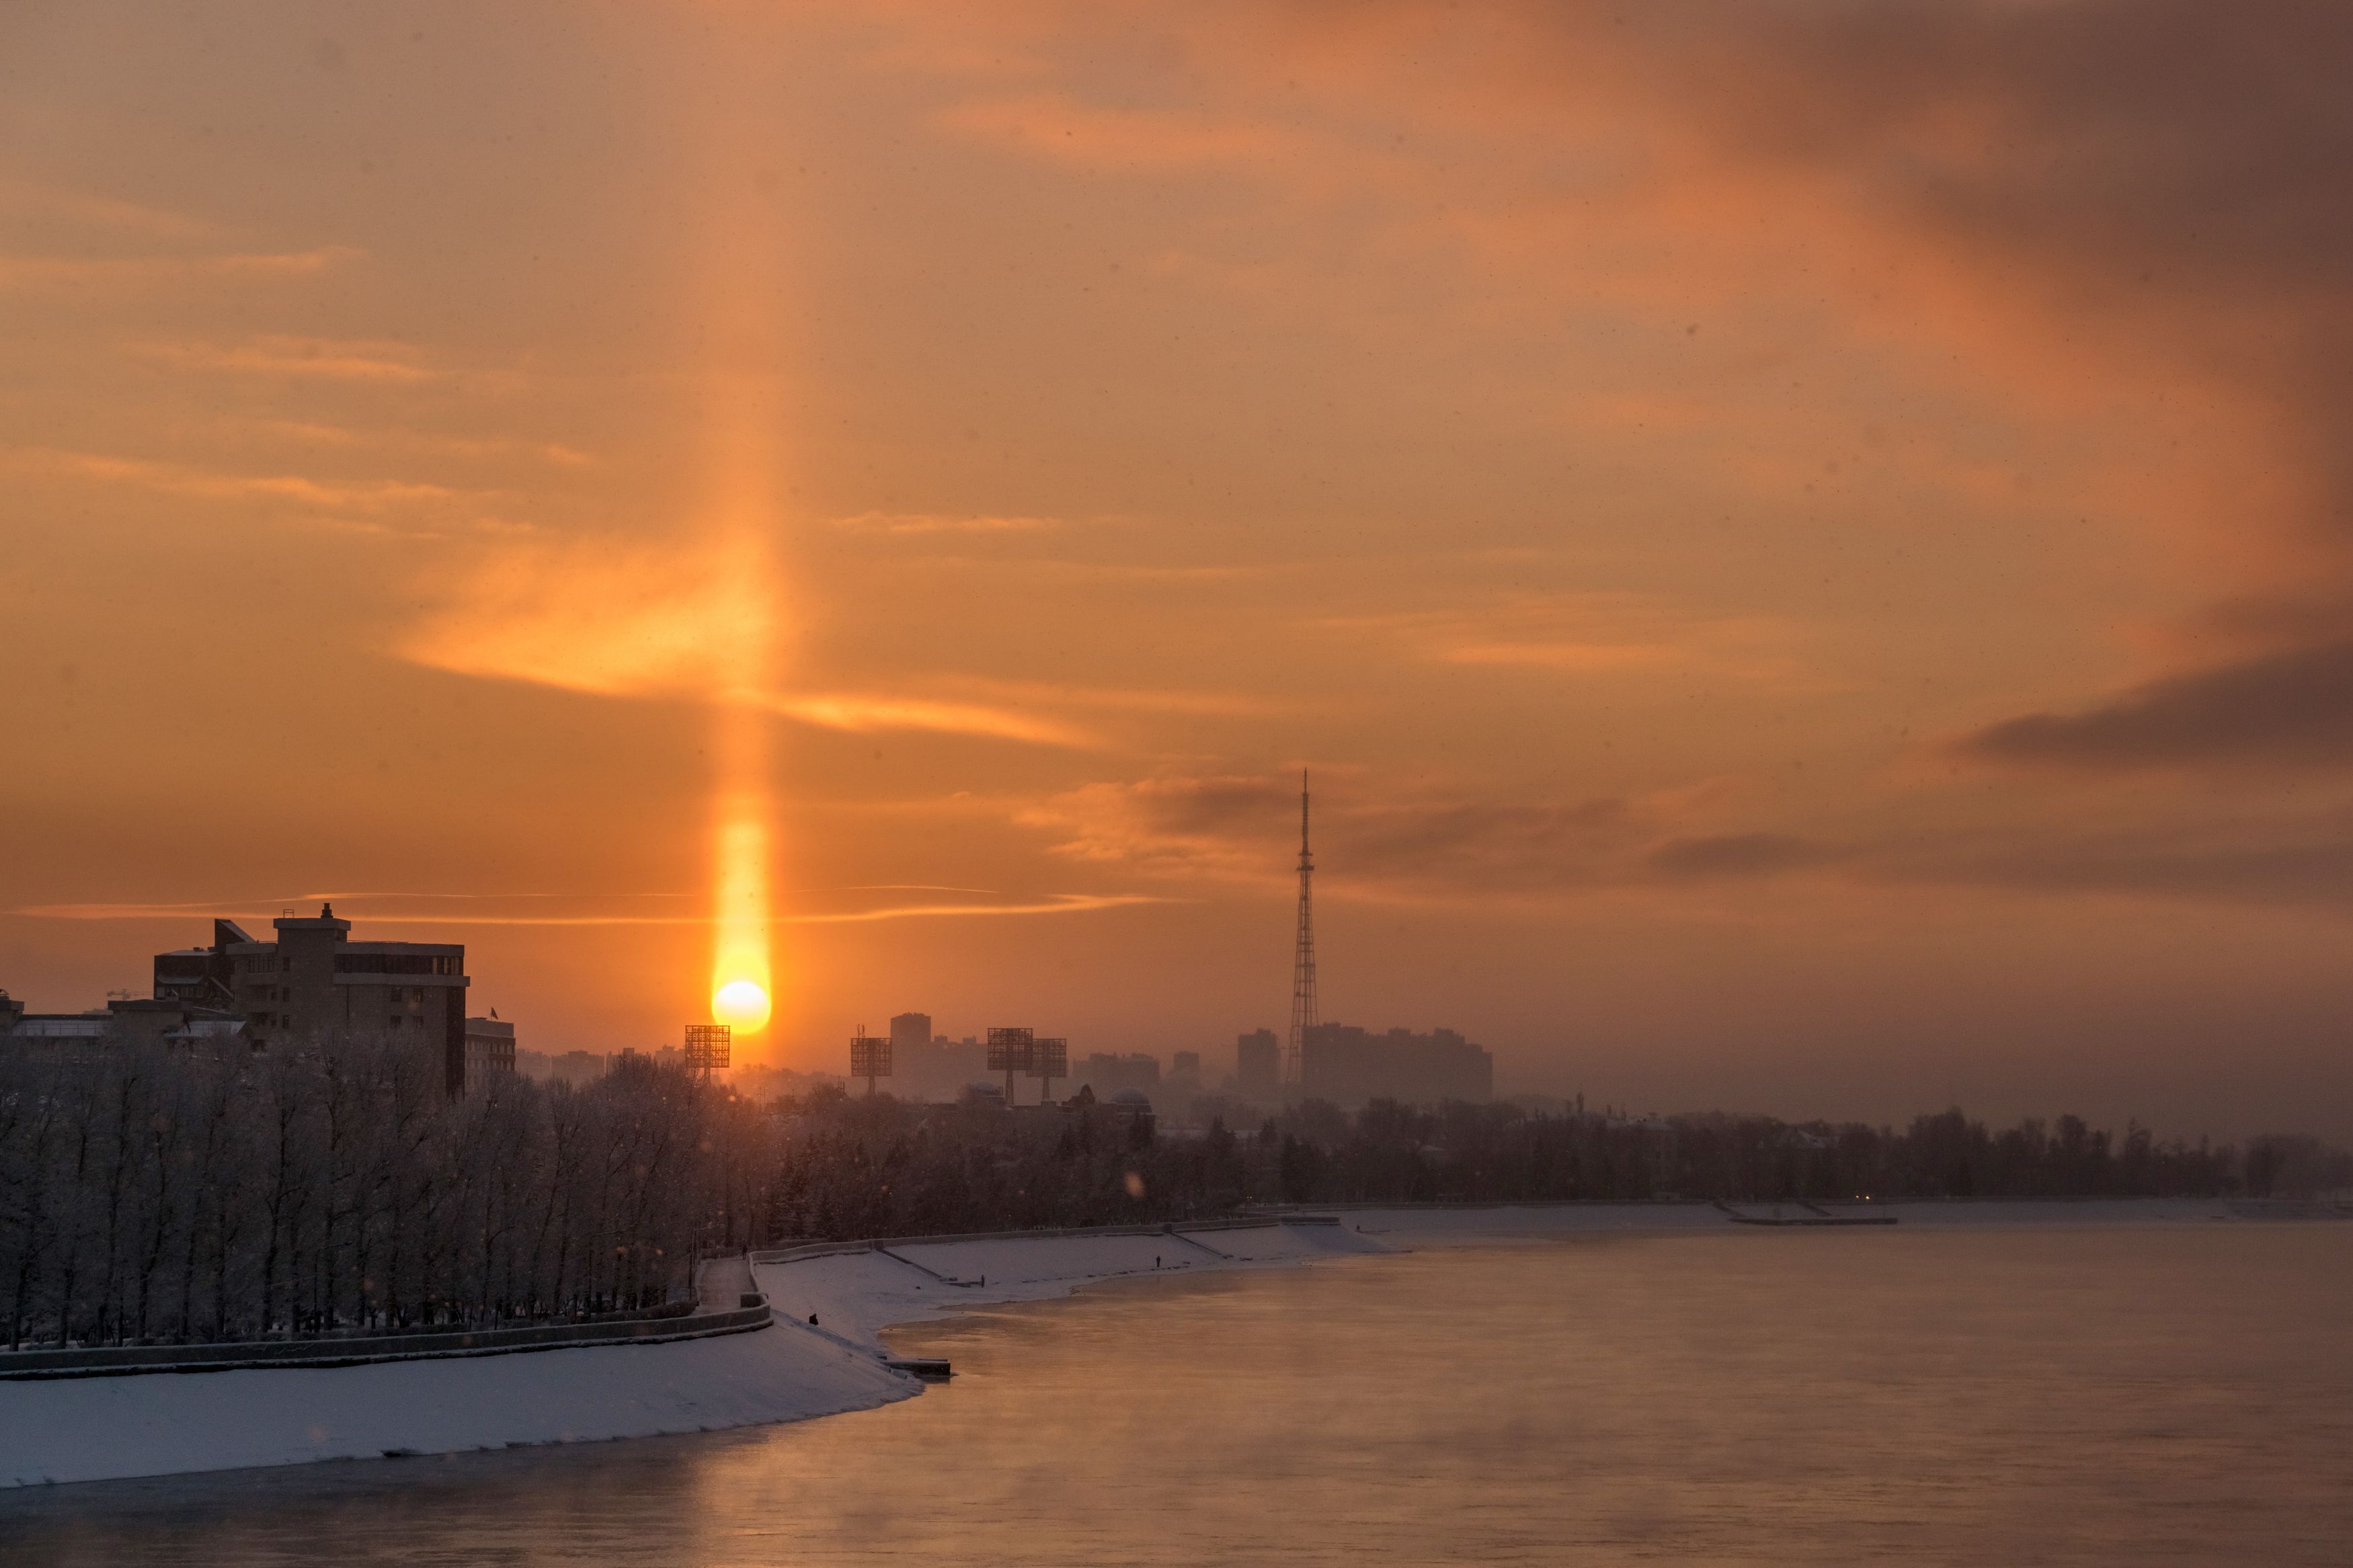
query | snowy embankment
(98,1428)
(103,1428)
(163,1423)
(855,1296)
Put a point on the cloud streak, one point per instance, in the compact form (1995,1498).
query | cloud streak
(2288,709)
(614,620)
(28,274)
(208,484)
(1049,904)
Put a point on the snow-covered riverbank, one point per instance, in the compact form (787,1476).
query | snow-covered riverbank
(107,1428)
(101,1428)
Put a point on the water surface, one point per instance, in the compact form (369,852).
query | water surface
(2127,1395)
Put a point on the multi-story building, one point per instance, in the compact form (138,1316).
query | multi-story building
(1349,1065)
(489,1053)
(125,1020)
(1258,1065)
(925,1066)
(314,983)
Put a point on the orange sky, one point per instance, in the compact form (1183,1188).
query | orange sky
(1807,545)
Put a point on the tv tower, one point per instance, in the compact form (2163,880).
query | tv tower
(1303,974)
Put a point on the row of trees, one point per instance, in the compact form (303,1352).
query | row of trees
(155,1195)
(150,1194)
(1389,1153)
(879,1167)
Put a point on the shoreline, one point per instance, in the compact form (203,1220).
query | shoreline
(70,1431)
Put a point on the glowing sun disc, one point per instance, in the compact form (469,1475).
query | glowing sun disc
(741,1003)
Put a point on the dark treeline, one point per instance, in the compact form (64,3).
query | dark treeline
(861,1167)
(152,1196)
(857,1167)
(1389,1152)
(159,1196)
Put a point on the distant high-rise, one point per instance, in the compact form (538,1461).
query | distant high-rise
(911,1029)
(1258,1065)
(1303,968)
(1349,1065)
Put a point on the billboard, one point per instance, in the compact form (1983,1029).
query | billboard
(1011,1051)
(708,1045)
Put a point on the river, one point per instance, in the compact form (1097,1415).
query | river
(2135,1396)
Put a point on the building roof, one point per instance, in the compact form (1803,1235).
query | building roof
(61,1027)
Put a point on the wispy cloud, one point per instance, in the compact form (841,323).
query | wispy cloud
(1044,904)
(211,484)
(306,358)
(942,523)
(863,714)
(674,623)
(1593,634)
(1068,130)
(90,209)
(344,436)
(34,273)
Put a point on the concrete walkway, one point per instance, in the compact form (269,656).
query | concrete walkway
(722,1283)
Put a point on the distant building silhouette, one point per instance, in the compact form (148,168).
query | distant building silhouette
(1107,1074)
(1349,1065)
(925,1066)
(1258,1065)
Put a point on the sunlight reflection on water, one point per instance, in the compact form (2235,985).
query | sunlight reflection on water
(1964,1397)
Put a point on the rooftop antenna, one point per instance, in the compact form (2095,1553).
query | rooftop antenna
(1302,973)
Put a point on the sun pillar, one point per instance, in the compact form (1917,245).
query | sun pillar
(743,974)
(739,279)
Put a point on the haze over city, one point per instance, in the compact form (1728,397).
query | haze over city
(1805,547)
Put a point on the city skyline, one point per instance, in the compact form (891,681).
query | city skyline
(1806,560)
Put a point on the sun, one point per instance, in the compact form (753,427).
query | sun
(741,1003)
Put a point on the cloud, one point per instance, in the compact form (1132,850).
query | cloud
(1431,844)
(302,358)
(87,209)
(211,484)
(2292,708)
(1045,904)
(2308,861)
(686,622)
(1129,699)
(931,523)
(1594,634)
(310,432)
(1066,130)
(53,273)
(862,714)
(1736,855)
